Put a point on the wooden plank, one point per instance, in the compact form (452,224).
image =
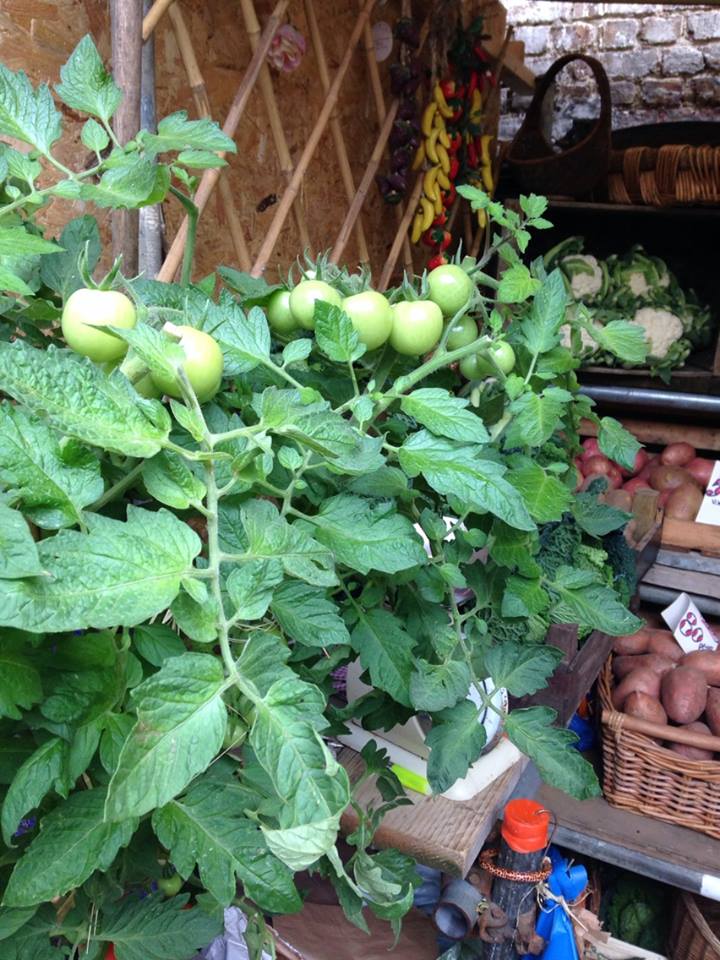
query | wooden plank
(687,535)
(653,848)
(442,833)
(659,434)
(688,561)
(687,581)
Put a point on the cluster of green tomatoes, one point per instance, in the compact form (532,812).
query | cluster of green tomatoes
(411,327)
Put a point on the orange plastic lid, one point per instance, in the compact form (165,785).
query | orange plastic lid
(525,825)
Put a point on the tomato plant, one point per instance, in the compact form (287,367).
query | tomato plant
(280,316)
(181,579)
(500,356)
(462,332)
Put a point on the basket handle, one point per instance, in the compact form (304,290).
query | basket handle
(620,721)
(533,116)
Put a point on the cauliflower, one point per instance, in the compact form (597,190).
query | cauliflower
(585,275)
(586,341)
(638,283)
(662,329)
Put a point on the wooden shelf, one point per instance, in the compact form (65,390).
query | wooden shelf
(681,210)
(652,848)
(441,833)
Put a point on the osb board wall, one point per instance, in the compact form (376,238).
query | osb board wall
(38,35)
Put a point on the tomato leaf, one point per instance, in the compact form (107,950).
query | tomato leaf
(250,587)
(307,616)
(18,551)
(438,686)
(20,684)
(539,329)
(86,85)
(445,415)
(176,132)
(43,771)
(60,271)
(77,398)
(457,470)
(74,841)
(523,598)
(168,479)
(26,114)
(617,443)
(456,740)
(625,340)
(595,518)
(156,643)
(536,416)
(546,497)
(134,182)
(386,651)
(591,605)
(207,827)
(157,929)
(335,334)
(521,669)
(18,242)
(367,535)
(552,751)
(180,727)
(516,284)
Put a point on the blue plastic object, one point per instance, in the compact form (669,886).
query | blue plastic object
(553,924)
(585,731)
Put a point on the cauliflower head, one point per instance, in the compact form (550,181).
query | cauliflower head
(662,329)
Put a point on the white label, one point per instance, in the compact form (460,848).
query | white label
(688,625)
(709,511)
(710,887)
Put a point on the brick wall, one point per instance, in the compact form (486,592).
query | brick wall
(663,61)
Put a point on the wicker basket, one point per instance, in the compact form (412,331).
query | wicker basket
(641,776)
(695,929)
(672,174)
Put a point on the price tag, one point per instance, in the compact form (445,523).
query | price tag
(709,511)
(688,625)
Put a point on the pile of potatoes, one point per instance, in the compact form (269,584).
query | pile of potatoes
(655,680)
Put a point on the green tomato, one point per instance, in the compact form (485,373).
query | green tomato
(417,327)
(462,333)
(147,387)
(279,314)
(86,313)
(371,316)
(203,364)
(450,288)
(170,886)
(476,367)
(304,296)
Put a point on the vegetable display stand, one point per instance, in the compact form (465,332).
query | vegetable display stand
(641,775)
(696,929)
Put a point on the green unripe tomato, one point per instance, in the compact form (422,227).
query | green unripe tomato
(417,327)
(303,298)
(462,333)
(84,316)
(476,367)
(279,313)
(371,315)
(203,364)
(450,288)
(147,387)
(171,885)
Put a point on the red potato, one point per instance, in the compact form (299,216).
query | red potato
(643,707)
(693,753)
(684,694)
(637,483)
(707,662)
(678,454)
(596,464)
(712,710)
(641,458)
(615,477)
(621,499)
(622,666)
(632,643)
(648,468)
(664,644)
(701,470)
(579,480)
(590,447)
(668,477)
(663,498)
(684,502)
(640,681)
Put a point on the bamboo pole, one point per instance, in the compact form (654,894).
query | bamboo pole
(381,110)
(335,128)
(278,133)
(202,105)
(372,166)
(362,190)
(402,231)
(153,16)
(126,30)
(150,228)
(310,147)
(210,177)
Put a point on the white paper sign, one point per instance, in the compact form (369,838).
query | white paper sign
(709,511)
(688,625)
